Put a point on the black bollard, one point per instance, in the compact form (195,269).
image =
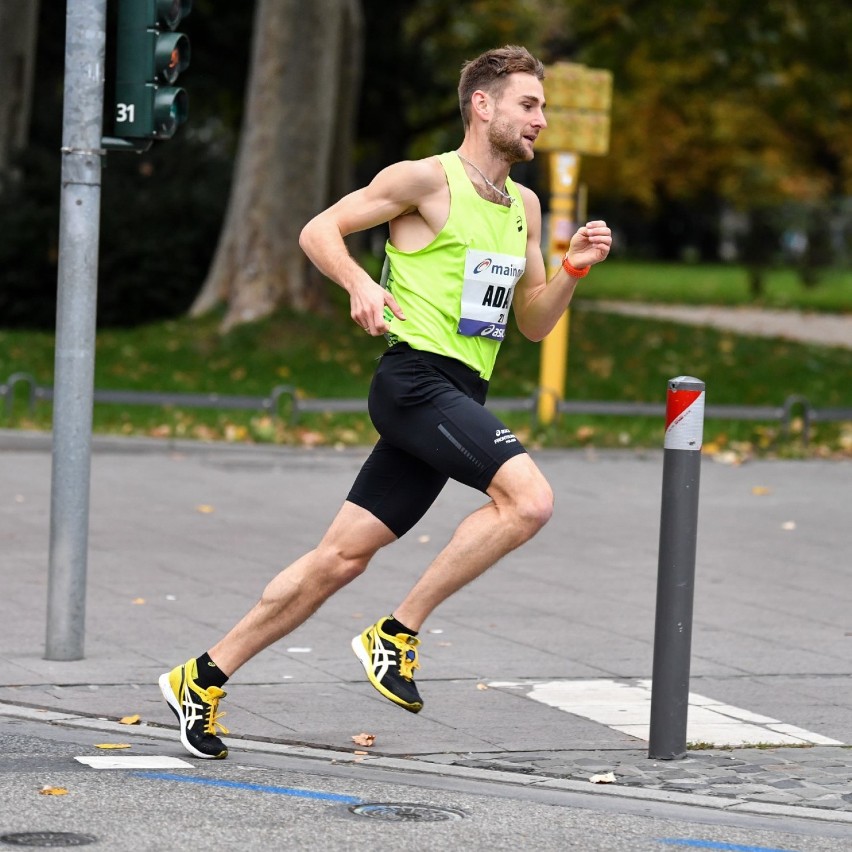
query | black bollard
(676,569)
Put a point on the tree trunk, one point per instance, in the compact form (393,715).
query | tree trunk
(294,157)
(19,28)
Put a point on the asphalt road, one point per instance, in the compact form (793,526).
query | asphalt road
(263,802)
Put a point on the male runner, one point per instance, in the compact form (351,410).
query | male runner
(464,247)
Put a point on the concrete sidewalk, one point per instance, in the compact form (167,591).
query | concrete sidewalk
(185,536)
(814,327)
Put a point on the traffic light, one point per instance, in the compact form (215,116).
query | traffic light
(149,58)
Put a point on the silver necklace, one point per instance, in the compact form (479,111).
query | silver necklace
(500,192)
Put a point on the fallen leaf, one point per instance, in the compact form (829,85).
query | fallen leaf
(112,745)
(760,490)
(205,509)
(603,778)
(233,432)
(360,753)
(364,739)
(138,601)
(130,720)
(47,790)
(310,438)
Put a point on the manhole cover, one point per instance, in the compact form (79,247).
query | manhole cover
(45,839)
(406,813)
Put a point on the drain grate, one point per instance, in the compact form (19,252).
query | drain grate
(47,839)
(406,812)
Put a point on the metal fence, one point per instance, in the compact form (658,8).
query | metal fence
(284,402)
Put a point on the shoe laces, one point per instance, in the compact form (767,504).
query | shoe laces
(408,657)
(212,716)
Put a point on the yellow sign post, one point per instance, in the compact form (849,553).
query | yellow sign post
(579,101)
(564,170)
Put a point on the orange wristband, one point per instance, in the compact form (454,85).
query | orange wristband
(572,270)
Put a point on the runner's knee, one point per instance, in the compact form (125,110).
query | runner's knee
(343,566)
(521,492)
(534,507)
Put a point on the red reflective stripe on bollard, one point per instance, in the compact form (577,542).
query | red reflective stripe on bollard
(684,415)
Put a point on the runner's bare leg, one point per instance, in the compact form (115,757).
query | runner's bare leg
(521,504)
(300,589)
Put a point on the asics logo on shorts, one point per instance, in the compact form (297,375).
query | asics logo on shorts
(504,436)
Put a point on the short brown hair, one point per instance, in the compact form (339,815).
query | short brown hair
(490,72)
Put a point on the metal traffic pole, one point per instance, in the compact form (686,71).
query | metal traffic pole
(79,235)
(676,570)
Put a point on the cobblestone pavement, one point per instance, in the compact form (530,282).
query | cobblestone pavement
(813,777)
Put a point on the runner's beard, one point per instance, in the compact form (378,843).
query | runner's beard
(507,144)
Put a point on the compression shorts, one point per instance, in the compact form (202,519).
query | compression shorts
(429,411)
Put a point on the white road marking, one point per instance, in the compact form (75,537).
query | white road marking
(139,761)
(626,707)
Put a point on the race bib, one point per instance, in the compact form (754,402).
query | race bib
(489,284)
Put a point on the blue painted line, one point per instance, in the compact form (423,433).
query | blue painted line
(715,844)
(256,788)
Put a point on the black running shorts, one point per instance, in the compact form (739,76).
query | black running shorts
(429,411)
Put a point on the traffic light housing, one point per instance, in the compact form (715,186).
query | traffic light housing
(149,57)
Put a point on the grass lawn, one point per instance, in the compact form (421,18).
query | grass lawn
(610,358)
(717,284)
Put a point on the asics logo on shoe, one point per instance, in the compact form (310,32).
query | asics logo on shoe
(389,661)
(197,711)
(190,708)
(382,658)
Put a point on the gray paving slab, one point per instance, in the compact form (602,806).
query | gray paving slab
(183,537)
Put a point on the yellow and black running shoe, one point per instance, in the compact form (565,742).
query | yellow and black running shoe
(197,711)
(390,661)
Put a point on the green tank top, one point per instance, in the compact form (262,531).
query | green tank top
(456,292)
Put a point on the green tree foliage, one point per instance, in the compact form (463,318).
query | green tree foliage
(748,101)
(726,104)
